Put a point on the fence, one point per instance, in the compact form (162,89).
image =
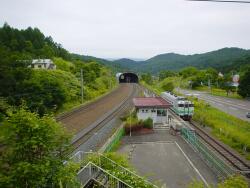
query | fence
(222,169)
(113,140)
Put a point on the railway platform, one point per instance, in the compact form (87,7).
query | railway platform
(166,159)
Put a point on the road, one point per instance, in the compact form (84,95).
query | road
(235,107)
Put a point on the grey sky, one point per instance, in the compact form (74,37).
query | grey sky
(133,28)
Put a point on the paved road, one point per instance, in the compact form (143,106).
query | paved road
(235,107)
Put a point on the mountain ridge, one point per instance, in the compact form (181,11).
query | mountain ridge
(222,59)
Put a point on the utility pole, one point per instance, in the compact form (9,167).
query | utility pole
(81,85)
(130,124)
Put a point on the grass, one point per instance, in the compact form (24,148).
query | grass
(219,92)
(227,128)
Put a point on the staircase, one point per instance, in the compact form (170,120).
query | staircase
(161,127)
(94,173)
(94,176)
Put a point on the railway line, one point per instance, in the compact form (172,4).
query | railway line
(82,117)
(240,165)
(225,153)
(99,113)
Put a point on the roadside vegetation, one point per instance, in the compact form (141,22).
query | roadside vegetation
(227,128)
(236,181)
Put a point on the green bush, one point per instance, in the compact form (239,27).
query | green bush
(148,123)
(236,181)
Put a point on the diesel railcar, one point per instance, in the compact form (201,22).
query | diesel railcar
(181,106)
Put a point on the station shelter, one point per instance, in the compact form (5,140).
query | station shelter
(155,108)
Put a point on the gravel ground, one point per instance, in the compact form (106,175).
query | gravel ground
(80,120)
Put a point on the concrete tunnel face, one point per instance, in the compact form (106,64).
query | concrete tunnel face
(128,77)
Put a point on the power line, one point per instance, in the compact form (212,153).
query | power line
(222,1)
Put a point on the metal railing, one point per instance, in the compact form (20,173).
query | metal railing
(105,162)
(99,176)
(222,168)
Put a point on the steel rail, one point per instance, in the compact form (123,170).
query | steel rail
(233,159)
(124,104)
(245,169)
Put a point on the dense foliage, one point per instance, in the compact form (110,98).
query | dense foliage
(33,151)
(244,87)
(30,42)
(45,91)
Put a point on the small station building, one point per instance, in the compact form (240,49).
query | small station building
(152,107)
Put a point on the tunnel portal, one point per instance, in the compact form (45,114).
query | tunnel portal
(128,77)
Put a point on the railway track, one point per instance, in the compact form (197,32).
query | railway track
(230,157)
(123,106)
(238,164)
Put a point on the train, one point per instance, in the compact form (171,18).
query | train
(181,105)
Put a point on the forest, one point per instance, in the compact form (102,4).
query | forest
(44,91)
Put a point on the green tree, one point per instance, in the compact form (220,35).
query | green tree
(244,87)
(188,71)
(34,152)
(147,77)
(167,85)
(165,74)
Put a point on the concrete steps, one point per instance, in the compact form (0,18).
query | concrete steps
(161,127)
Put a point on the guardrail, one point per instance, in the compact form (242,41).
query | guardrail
(222,168)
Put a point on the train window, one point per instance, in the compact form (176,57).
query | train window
(142,110)
(191,105)
(180,105)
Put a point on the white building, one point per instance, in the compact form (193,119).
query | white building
(42,64)
(152,107)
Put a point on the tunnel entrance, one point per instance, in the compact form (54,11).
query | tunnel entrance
(128,77)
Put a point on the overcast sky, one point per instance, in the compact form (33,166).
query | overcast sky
(133,28)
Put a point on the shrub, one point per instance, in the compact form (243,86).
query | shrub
(236,181)
(148,123)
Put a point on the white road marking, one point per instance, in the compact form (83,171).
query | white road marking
(233,108)
(190,162)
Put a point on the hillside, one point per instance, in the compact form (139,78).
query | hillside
(216,59)
(222,59)
(43,90)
